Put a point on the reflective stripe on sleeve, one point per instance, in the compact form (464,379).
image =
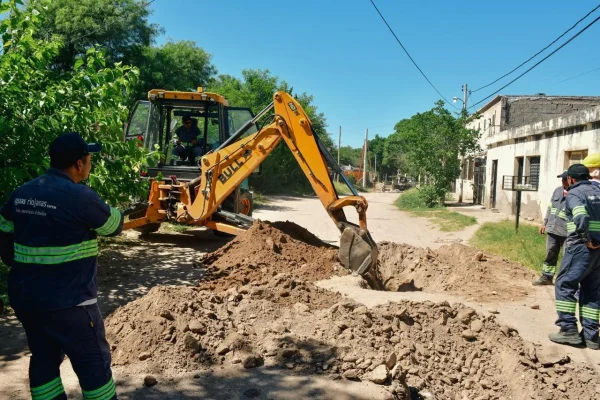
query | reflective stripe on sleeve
(6,225)
(111,225)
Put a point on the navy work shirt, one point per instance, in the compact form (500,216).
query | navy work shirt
(54,224)
(186,135)
(583,213)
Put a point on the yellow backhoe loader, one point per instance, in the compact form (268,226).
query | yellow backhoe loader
(210,191)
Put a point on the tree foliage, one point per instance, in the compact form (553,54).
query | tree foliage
(121,27)
(36,105)
(431,144)
(280,171)
(179,65)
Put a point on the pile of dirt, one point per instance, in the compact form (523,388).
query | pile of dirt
(447,351)
(258,307)
(268,249)
(455,269)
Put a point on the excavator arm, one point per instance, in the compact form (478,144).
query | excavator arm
(225,168)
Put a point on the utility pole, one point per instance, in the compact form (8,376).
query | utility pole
(365,158)
(375,169)
(339,145)
(462,161)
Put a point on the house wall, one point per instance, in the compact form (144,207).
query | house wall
(554,141)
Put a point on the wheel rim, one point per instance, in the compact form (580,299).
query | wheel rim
(245,209)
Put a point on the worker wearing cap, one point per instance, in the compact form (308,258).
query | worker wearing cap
(593,163)
(555,226)
(580,266)
(53,222)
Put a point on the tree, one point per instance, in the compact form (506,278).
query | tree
(432,143)
(350,156)
(120,27)
(174,66)
(280,171)
(36,105)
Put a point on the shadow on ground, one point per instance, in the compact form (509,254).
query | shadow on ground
(129,268)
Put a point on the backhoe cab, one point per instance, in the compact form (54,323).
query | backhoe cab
(209,189)
(156,122)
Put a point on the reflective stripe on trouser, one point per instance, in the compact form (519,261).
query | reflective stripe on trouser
(580,266)
(77,332)
(51,390)
(553,245)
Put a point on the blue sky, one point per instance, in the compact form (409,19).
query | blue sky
(343,54)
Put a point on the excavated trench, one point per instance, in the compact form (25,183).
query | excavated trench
(258,306)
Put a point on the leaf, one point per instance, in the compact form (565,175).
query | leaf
(78,63)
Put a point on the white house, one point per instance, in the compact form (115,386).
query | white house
(529,139)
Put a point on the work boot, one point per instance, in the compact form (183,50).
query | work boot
(592,345)
(543,280)
(570,336)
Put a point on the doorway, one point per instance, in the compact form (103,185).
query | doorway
(494,179)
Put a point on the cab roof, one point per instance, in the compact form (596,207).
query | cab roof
(199,95)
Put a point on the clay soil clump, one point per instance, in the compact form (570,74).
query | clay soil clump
(266,250)
(455,269)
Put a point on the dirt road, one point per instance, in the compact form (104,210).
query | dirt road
(385,221)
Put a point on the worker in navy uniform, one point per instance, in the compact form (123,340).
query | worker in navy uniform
(51,225)
(580,266)
(555,227)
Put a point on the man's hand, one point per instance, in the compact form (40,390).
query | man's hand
(542,229)
(592,245)
(178,142)
(194,142)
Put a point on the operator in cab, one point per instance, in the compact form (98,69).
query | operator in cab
(188,144)
(48,237)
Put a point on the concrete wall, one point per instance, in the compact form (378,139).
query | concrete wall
(519,111)
(551,140)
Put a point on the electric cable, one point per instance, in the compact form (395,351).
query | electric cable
(409,56)
(539,52)
(539,62)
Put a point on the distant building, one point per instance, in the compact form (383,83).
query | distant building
(533,139)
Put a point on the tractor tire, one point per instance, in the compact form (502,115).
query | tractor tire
(148,229)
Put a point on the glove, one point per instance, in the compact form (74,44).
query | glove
(592,245)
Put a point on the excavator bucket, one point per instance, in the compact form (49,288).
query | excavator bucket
(358,253)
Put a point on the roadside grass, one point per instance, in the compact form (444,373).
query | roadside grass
(179,228)
(341,188)
(448,221)
(527,247)
(258,199)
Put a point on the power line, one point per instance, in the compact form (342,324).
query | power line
(409,56)
(539,52)
(539,62)
(577,76)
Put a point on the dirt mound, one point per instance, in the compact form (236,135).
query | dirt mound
(266,250)
(444,350)
(456,269)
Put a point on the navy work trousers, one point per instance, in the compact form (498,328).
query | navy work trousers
(553,245)
(77,332)
(580,268)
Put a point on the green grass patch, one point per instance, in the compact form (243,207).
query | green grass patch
(448,221)
(258,199)
(179,228)
(341,188)
(527,247)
